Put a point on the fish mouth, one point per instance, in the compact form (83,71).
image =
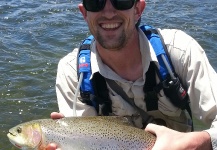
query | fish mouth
(11,137)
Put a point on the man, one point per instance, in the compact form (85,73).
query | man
(121,52)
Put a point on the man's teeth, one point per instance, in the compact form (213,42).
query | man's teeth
(110,26)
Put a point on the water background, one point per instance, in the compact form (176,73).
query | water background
(34,35)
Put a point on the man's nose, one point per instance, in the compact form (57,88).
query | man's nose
(109,11)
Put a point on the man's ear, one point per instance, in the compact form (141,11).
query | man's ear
(83,11)
(139,8)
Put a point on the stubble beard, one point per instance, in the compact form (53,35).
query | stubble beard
(112,44)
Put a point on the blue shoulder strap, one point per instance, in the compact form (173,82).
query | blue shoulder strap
(158,47)
(93,92)
(84,65)
(174,90)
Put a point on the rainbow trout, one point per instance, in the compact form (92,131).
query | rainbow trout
(81,133)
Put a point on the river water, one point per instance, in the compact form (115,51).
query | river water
(34,35)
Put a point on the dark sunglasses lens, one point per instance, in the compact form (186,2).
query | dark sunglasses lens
(123,4)
(94,5)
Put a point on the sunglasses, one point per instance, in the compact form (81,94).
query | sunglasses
(98,5)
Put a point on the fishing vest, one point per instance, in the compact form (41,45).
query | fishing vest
(94,92)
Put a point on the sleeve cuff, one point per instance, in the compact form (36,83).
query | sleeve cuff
(213,134)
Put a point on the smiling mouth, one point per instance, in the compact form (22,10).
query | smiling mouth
(110,26)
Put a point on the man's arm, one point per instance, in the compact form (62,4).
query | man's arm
(196,73)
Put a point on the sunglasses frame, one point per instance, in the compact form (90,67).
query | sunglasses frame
(100,4)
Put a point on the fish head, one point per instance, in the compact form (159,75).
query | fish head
(25,136)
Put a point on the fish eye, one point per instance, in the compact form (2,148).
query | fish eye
(19,129)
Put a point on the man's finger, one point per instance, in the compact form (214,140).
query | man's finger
(151,128)
(56,115)
(51,146)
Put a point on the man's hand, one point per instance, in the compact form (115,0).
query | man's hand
(170,139)
(52,146)
(54,115)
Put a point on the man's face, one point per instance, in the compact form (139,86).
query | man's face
(112,28)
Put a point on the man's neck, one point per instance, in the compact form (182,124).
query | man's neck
(126,62)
